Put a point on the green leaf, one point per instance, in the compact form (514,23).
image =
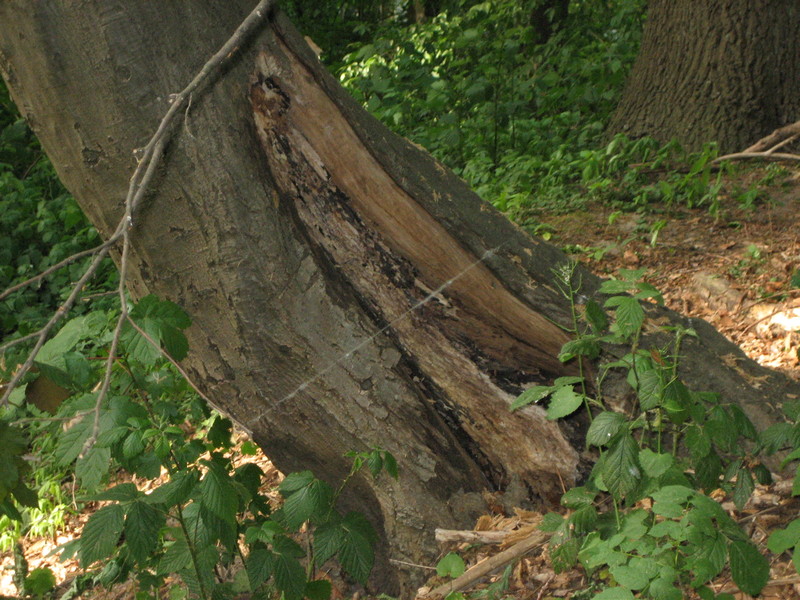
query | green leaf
(564,402)
(629,314)
(583,346)
(217,493)
(142,526)
(451,565)
(781,540)
(290,577)
(531,395)
(551,522)
(124,492)
(295,481)
(615,286)
(312,501)
(91,468)
(176,558)
(749,568)
(630,577)
(621,471)
(574,498)
(648,384)
(356,554)
(71,443)
(319,589)
(259,566)
(564,556)
(176,491)
(614,593)
(39,582)
(596,316)
(664,588)
(697,442)
(655,464)
(327,541)
(101,534)
(390,464)
(604,427)
(53,351)
(743,489)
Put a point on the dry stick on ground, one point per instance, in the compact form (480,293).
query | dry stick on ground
(149,158)
(472,575)
(766,146)
(446,536)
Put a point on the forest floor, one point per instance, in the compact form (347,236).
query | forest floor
(739,270)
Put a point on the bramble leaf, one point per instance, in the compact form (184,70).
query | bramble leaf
(101,534)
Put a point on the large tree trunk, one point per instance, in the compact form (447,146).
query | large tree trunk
(347,290)
(718,70)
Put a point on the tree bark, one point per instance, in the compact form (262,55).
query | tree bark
(719,70)
(347,290)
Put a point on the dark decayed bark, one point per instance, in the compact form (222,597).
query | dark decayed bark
(347,290)
(718,70)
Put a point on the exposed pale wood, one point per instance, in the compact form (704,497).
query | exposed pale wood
(445,536)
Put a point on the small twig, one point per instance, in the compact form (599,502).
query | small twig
(489,565)
(410,564)
(788,140)
(764,155)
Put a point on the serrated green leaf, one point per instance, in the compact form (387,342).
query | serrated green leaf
(295,481)
(583,346)
(101,534)
(176,558)
(311,501)
(71,442)
(259,567)
(564,556)
(584,519)
(52,352)
(327,541)
(451,565)
(176,491)
(697,442)
(749,568)
(672,529)
(673,493)
(91,468)
(596,316)
(218,494)
(290,576)
(390,464)
(133,445)
(664,588)
(142,525)
(620,468)
(564,402)
(630,577)
(551,522)
(531,395)
(567,380)
(356,554)
(614,286)
(648,385)
(629,314)
(124,492)
(319,589)
(604,427)
(655,464)
(615,593)
(781,540)
(575,498)
(743,489)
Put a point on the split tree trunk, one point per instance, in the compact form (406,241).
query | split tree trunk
(718,70)
(347,290)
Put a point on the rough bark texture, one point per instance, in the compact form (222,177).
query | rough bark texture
(347,290)
(718,70)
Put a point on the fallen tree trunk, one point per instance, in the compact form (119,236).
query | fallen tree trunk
(347,290)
